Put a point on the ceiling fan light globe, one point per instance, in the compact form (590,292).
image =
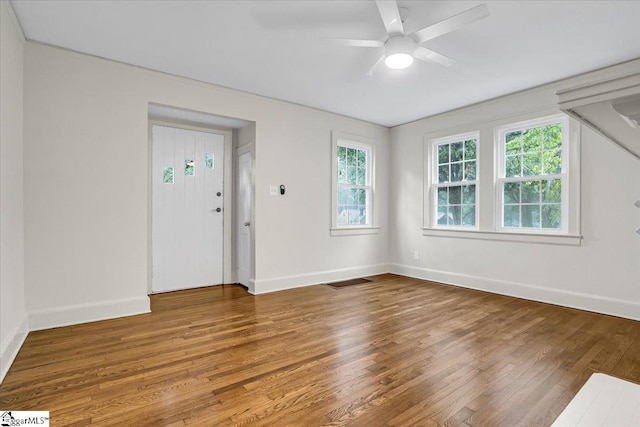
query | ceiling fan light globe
(398,61)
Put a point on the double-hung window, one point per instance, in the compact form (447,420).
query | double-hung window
(532,176)
(454,181)
(353,185)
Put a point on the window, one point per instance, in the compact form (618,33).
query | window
(353,188)
(167,175)
(532,175)
(506,181)
(208,160)
(354,185)
(189,167)
(454,188)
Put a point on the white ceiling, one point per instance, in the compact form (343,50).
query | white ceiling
(274,48)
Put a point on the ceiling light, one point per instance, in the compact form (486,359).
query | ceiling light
(399,52)
(398,61)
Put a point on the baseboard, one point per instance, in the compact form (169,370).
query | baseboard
(263,286)
(11,345)
(91,312)
(582,301)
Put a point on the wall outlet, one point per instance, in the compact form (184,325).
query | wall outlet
(274,190)
(416,255)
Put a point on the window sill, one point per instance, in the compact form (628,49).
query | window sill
(550,239)
(354,231)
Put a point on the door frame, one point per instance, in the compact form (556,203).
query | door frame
(228,274)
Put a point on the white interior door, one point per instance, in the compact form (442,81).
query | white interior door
(187,203)
(243,219)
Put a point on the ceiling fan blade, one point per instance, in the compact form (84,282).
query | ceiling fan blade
(390,16)
(451,24)
(370,72)
(427,55)
(353,43)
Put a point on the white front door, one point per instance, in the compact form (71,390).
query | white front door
(243,219)
(187,218)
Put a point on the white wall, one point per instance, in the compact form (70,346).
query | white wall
(602,274)
(13,318)
(86,186)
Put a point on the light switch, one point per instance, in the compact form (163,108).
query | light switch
(274,190)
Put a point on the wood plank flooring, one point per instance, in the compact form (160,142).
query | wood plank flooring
(394,352)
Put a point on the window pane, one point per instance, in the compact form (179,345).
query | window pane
(443,153)
(354,196)
(362,196)
(352,173)
(511,192)
(552,162)
(343,215)
(342,155)
(455,215)
(442,215)
(531,216)
(167,176)
(362,176)
(513,143)
(531,164)
(189,168)
(551,216)
(470,171)
(456,151)
(552,136)
(342,173)
(469,215)
(532,140)
(469,194)
(456,172)
(362,158)
(513,166)
(512,216)
(443,173)
(208,160)
(351,157)
(442,196)
(455,195)
(343,195)
(470,149)
(551,191)
(531,192)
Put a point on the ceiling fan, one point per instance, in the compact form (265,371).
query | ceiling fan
(400,48)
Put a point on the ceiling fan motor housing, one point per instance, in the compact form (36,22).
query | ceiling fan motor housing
(399,51)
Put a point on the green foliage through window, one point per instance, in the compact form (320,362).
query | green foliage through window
(532,187)
(167,176)
(456,188)
(353,186)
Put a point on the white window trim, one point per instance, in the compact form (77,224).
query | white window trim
(433,180)
(360,142)
(488,217)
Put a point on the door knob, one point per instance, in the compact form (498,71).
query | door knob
(218,194)
(217,210)
(247,223)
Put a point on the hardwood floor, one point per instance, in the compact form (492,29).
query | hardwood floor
(394,352)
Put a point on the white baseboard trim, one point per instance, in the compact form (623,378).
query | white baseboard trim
(582,301)
(91,312)
(264,286)
(11,345)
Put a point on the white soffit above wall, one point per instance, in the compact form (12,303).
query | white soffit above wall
(274,48)
(610,106)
